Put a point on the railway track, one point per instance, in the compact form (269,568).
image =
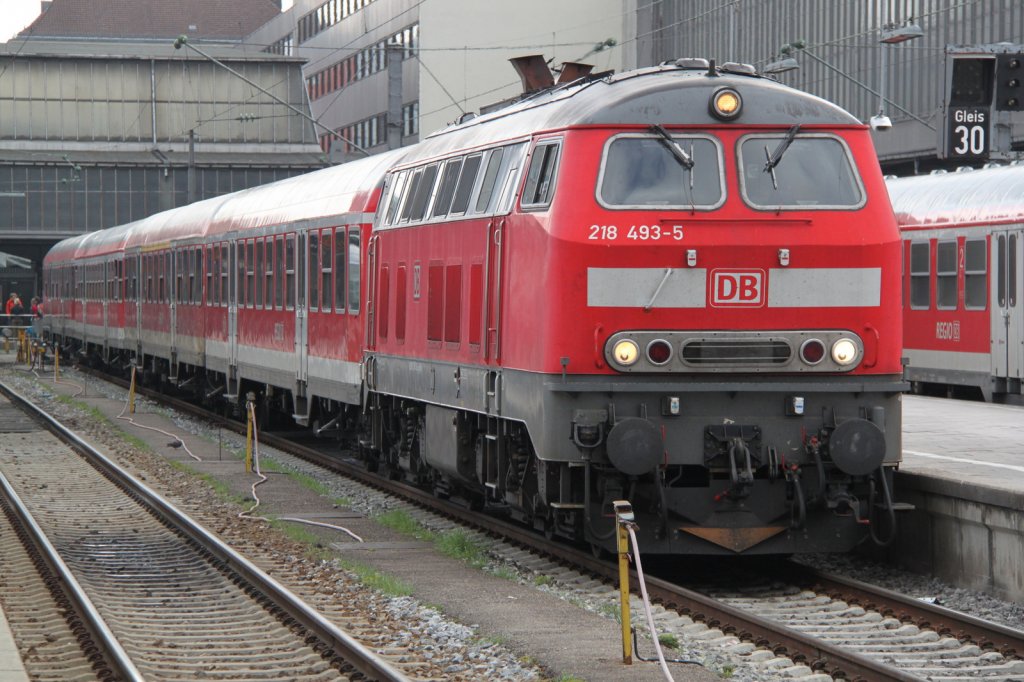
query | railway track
(143,591)
(831,625)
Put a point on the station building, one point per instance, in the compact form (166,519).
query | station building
(97,129)
(454,58)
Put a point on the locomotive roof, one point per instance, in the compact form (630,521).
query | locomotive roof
(665,95)
(989,195)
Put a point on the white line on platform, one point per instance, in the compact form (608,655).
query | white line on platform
(996,465)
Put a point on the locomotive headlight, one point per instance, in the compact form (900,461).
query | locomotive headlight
(844,351)
(626,352)
(726,104)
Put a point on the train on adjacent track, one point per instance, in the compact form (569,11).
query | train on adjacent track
(678,286)
(963,288)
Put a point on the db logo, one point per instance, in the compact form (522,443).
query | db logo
(737,288)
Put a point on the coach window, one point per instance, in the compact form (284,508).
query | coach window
(920,276)
(326,259)
(945,275)
(225,272)
(975,269)
(467,181)
(540,178)
(210,297)
(641,170)
(289,283)
(163,263)
(353,269)
(314,274)
(340,256)
(279,273)
(813,172)
(268,273)
(258,265)
(250,273)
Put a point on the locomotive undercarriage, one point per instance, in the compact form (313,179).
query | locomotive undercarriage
(762,482)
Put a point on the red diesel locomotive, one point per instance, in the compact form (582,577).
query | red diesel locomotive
(963,280)
(677,286)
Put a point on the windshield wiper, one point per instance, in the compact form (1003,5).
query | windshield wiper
(685,160)
(772,159)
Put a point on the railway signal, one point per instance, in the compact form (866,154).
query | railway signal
(984,88)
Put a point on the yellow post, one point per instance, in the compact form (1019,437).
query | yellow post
(56,364)
(248,436)
(131,393)
(623,517)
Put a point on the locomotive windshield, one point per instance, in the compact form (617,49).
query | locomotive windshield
(816,172)
(640,170)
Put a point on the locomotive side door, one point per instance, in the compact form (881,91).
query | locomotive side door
(1007,306)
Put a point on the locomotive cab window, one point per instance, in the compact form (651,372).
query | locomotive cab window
(640,170)
(798,171)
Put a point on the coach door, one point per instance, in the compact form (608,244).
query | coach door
(233,283)
(301,310)
(1007,312)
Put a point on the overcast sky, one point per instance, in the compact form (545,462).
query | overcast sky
(16,15)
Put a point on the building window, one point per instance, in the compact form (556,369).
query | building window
(411,119)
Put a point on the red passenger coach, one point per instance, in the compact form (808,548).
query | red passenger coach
(963,272)
(677,286)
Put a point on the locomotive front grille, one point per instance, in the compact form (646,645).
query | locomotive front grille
(732,352)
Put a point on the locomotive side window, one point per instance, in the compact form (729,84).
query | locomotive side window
(490,176)
(467,180)
(975,268)
(638,170)
(920,279)
(510,167)
(446,188)
(540,178)
(410,192)
(945,275)
(421,198)
(395,197)
(814,172)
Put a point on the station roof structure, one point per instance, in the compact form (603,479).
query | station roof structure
(228,20)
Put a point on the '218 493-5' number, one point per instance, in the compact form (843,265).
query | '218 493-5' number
(636,232)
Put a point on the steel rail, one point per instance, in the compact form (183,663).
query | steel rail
(113,653)
(819,655)
(347,648)
(986,634)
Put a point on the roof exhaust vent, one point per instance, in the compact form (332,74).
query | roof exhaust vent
(574,70)
(534,72)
